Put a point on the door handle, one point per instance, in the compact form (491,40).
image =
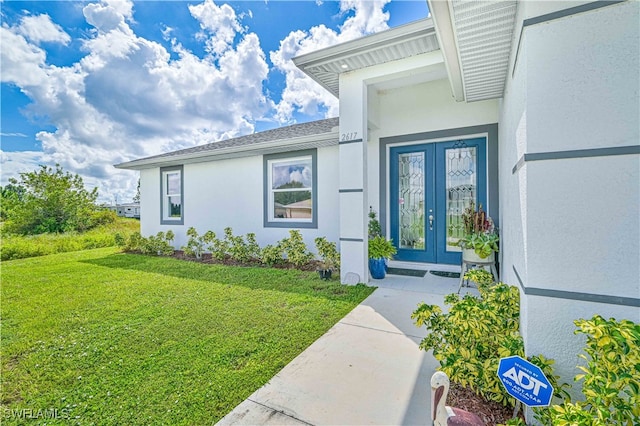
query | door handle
(430,222)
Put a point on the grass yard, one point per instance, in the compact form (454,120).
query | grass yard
(110,338)
(23,246)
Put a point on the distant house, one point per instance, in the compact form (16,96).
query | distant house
(530,108)
(127,210)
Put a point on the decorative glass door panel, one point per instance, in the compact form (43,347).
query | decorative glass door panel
(411,201)
(460,190)
(430,186)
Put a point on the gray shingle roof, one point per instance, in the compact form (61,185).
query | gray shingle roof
(296,130)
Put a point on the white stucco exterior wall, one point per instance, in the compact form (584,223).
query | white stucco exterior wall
(430,106)
(571,226)
(218,194)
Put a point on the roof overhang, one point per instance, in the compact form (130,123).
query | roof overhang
(262,148)
(326,65)
(476,39)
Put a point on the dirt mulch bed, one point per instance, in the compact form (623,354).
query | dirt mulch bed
(491,413)
(206,258)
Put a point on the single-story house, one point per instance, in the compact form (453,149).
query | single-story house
(128,210)
(528,107)
(131,210)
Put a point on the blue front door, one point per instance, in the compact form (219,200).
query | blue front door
(430,186)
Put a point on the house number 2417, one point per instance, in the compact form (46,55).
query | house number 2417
(348,136)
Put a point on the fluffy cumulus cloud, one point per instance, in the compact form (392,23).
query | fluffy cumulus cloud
(130,97)
(219,25)
(40,28)
(301,93)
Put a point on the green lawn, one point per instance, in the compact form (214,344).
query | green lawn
(111,338)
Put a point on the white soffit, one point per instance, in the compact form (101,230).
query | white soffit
(483,33)
(326,65)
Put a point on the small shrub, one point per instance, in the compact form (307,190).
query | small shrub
(374,229)
(103,217)
(238,248)
(253,248)
(158,244)
(134,243)
(479,276)
(196,243)
(272,255)
(219,249)
(295,249)
(120,239)
(475,334)
(328,253)
(610,381)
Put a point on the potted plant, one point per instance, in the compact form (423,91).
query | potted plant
(480,240)
(325,270)
(329,258)
(380,249)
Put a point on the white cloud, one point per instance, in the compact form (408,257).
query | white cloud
(127,98)
(130,97)
(15,134)
(369,18)
(14,163)
(219,24)
(301,92)
(20,61)
(40,28)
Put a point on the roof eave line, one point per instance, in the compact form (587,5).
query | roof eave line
(211,154)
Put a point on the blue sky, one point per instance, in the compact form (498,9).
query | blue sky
(91,84)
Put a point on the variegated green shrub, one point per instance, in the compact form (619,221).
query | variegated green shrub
(611,379)
(295,249)
(475,334)
(196,244)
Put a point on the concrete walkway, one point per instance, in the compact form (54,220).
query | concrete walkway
(367,369)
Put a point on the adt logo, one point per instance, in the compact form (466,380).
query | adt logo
(525,381)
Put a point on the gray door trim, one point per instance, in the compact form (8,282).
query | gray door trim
(491,130)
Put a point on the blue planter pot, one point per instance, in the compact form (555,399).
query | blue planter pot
(377,268)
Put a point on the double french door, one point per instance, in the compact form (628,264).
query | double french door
(430,187)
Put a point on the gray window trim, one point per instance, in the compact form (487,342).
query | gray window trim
(267,223)
(171,221)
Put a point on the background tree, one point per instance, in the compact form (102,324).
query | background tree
(136,198)
(9,196)
(290,197)
(51,200)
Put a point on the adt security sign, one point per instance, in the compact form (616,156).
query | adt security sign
(525,381)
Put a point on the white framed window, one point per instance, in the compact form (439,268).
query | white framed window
(171,195)
(290,190)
